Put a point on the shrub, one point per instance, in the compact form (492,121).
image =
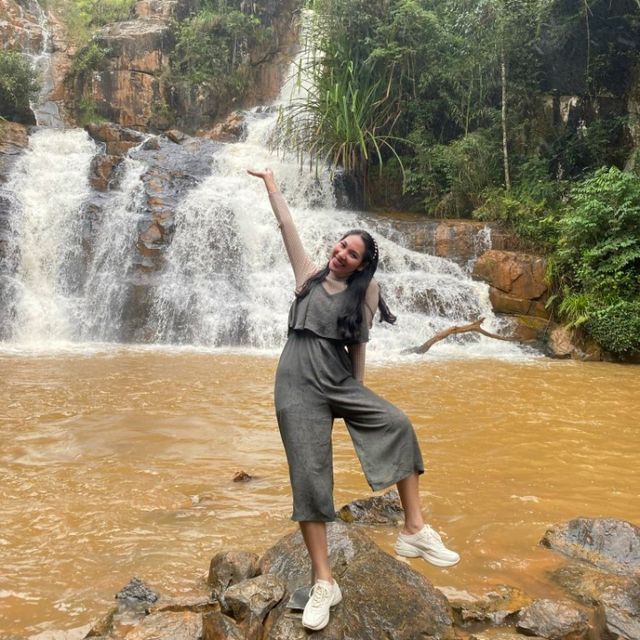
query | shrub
(18,85)
(617,327)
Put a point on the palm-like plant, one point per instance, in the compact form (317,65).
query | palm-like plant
(345,117)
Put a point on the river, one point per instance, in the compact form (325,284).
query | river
(118,461)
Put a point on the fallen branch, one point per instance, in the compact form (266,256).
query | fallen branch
(474,326)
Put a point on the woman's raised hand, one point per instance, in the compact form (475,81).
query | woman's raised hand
(267,176)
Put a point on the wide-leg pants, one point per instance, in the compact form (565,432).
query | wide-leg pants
(314,385)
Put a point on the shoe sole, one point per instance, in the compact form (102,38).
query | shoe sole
(411,552)
(324,622)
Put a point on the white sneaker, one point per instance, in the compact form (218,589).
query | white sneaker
(428,545)
(323,596)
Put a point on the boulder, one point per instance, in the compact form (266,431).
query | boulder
(606,543)
(217,626)
(554,620)
(530,328)
(619,611)
(168,625)
(137,592)
(102,171)
(232,129)
(497,606)
(520,275)
(382,596)
(231,567)
(252,599)
(384,509)
(616,598)
(505,303)
(560,342)
(117,139)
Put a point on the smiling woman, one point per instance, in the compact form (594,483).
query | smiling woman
(319,378)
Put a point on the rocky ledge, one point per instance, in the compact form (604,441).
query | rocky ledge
(247,597)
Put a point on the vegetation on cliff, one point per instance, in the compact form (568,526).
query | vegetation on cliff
(497,109)
(18,85)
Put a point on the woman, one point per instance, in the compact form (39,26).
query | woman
(318,380)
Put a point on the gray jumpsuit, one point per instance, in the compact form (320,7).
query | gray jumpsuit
(315,384)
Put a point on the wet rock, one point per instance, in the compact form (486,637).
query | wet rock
(619,611)
(20,27)
(496,606)
(117,139)
(606,543)
(616,598)
(530,328)
(232,129)
(367,577)
(554,620)
(103,625)
(384,509)
(217,626)
(177,136)
(230,568)
(168,625)
(241,476)
(13,141)
(560,342)
(137,592)
(251,600)
(102,171)
(70,634)
(195,603)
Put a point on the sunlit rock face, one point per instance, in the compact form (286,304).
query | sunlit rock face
(19,26)
(131,88)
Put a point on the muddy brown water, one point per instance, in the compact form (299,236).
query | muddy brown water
(120,463)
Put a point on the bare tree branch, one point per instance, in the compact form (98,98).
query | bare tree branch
(474,326)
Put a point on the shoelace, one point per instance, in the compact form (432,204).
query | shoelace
(318,593)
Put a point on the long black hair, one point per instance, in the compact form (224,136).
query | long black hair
(357,283)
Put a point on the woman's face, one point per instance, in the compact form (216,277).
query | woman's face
(346,256)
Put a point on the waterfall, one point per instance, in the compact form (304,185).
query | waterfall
(46,111)
(228,281)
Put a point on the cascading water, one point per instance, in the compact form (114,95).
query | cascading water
(228,280)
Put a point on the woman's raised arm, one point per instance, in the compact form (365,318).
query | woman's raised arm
(302,265)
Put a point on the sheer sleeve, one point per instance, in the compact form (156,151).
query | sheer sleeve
(302,265)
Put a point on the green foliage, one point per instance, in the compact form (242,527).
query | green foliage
(212,47)
(617,327)
(84,17)
(93,57)
(598,258)
(453,176)
(600,243)
(87,112)
(18,85)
